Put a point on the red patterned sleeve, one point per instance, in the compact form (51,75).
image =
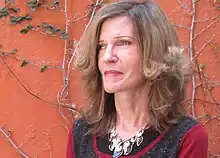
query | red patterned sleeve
(194,143)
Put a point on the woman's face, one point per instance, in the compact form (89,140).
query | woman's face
(119,58)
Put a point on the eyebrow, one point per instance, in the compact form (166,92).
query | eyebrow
(118,37)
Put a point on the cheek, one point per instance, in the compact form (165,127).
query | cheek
(133,63)
(136,68)
(100,65)
(139,66)
(137,72)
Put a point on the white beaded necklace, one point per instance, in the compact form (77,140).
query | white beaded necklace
(121,147)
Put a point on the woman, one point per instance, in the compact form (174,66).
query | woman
(134,72)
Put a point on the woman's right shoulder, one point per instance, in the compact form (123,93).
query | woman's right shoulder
(80,127)
(76,137)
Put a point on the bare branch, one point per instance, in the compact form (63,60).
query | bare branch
(203,30)
(204,20)
(205,85)
(185,7)
(66,82)
(213,117)
(75,19)
(28,91)
(64,57)
(206,43)
(202,116)
(191,52)
(32,62)
(7,136)
(172,11)
(181,26)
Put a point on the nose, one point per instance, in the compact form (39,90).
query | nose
(109,55)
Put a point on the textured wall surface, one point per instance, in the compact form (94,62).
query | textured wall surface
(32,123)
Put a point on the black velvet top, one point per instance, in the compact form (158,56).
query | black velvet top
(154,145)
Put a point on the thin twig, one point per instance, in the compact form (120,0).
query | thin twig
(28,91)
(206,43)
(25,86)
(202,116)
(205,85)
(13,144)
(210,25)
(204,20)
(213,117)
(191,52)
(198,85)
(64,57)
(77,45)
(181,26)
(79,18)
(32,62)
(202,100)
(186,8)
(66,30)
(172,12)
(66,83)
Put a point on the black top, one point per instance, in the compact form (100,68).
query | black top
(154,145)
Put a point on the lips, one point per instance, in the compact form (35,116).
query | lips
(112,73)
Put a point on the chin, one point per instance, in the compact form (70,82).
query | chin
(111,89)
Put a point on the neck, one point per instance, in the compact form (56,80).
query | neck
(131,107)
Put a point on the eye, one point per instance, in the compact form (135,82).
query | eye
(102,46)
(123,43)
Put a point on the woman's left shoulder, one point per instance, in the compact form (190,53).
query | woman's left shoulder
(194,142)
(185,127)
(195,130)
(188,123)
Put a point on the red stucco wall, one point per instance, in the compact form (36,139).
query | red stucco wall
(38,128)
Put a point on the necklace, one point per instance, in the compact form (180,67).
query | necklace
(121,147)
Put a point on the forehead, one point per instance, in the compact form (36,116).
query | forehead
(117,26)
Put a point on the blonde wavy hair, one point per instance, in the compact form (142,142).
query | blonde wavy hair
(164,65)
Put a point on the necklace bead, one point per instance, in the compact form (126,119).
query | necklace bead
(121,147)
